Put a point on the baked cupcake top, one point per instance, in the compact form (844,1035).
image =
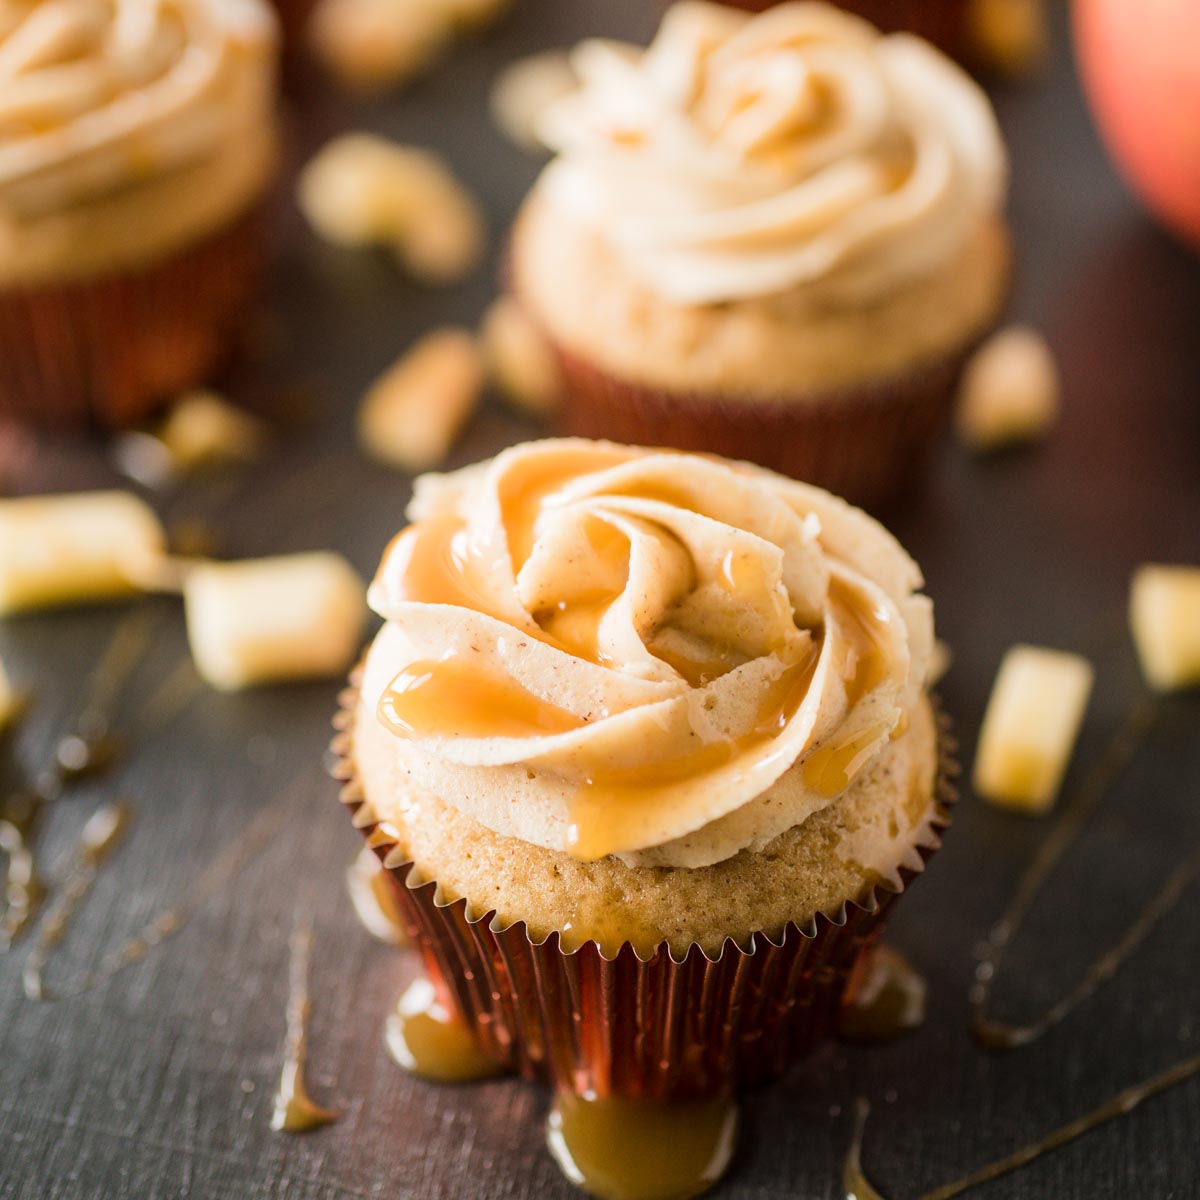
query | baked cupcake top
(101,98)
(660,656)
(745,155)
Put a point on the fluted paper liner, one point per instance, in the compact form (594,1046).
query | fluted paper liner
(868,443)
(655,1027)
(104,352)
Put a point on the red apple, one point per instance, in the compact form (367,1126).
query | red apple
(1140,62)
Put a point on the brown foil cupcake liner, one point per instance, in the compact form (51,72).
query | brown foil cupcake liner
(942,22)
(657,1027)
(869,444)
(106,351)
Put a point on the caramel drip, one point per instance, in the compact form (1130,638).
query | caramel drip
(521,502)
(295,1111)
(375,904)
(85,750)
(433,562)
(428,1039)
(885,998)
(99,838)
(854,1183)
(623,1149)
(999,1035)
(574,624)
(610,806)
(215,878)
(832,767)
(1124,1102)
(451,697)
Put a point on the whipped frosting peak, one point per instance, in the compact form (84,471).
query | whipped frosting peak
(745,155)
(98,94)
(667,657)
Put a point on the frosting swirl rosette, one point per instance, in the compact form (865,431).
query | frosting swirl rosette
(665,657)
(97,94)
(742,156)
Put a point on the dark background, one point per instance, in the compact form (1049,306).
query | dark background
(159,1083)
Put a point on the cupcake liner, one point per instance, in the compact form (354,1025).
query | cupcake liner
(869,443)
(942,22)
(655,1028)
(106,351)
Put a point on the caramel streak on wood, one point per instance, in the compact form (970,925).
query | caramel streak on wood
(295,1111)
(237,855)
(1122,1103)
(855,1184)
(999,1035)
(99,838)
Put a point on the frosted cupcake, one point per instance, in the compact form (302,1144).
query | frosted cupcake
(775,237)
(137,144)
(646,745)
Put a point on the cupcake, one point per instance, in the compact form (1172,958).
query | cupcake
(775,237)
(942,22)
(138,144)
(646,747)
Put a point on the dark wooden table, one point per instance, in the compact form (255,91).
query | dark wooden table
(159,1082)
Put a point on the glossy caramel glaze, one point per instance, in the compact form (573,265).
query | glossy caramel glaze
(621,1149)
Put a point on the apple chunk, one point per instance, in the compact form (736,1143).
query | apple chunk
(72,549)
(1164,610)
(262,620)
(1029,729)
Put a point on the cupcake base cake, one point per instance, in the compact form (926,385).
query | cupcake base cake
(620,981)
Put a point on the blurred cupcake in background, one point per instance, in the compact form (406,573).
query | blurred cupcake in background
(139,142)
(776,237)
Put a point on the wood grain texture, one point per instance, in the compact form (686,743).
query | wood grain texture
(159,1083)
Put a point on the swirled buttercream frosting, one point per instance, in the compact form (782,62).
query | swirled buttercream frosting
(96,95)
(741,156)
(660,656)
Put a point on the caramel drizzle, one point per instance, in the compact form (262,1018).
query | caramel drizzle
(99,839)
(1000,1035)
(295,1111)
(1124,1102)
(84,750)
(242,850)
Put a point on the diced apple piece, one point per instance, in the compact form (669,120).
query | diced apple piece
(1009,36)
(525,89)
(263,620)
(519,360)
(361,190)
(413,413)
(1164,610)
(372,44)
(71,549)
(1029,729)
(204,428)
(1010,391)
